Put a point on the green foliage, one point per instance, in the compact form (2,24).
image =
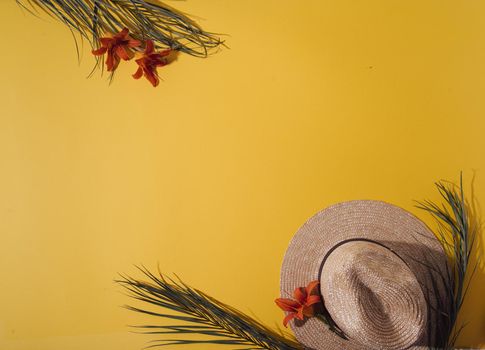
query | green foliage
(146,19)
(198,314)
(457,229)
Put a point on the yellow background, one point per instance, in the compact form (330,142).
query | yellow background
(211,173)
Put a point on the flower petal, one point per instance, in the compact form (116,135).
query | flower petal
(287,304)
(138,74)
(110,61)
(134,43)
(288,318)
(123,33)
(312,287)
(313,299)
(106,41)
(101,51)
(299,314)
(152,77)
(122,53)
(161,63)
(165,53)
(308,311)
(300,295)
(149,47)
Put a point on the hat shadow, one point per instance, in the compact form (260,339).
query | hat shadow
(438,293)
(436,287)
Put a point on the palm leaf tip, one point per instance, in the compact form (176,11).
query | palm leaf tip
(146,19)
(198,318)
(457,229)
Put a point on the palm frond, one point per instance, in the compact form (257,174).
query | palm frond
(456,232)
(146,19)
(196,313)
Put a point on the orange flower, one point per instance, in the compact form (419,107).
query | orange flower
(148,63)
(118,47)
(302,306)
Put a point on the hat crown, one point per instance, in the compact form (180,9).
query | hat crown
(373,296)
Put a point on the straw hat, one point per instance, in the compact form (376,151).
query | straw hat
(380,271)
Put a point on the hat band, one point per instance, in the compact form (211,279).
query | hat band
(331,250)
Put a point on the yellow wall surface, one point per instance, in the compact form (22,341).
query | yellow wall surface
(210,174)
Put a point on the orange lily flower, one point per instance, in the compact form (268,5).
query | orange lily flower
(148,63)
(118,48)
(302,306)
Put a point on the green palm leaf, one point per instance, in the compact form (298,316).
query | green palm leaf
(197,314)
(457,228)
(146,19)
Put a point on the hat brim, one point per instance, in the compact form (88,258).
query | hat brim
(376,221)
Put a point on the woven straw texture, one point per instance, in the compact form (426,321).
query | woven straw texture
(372,260)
